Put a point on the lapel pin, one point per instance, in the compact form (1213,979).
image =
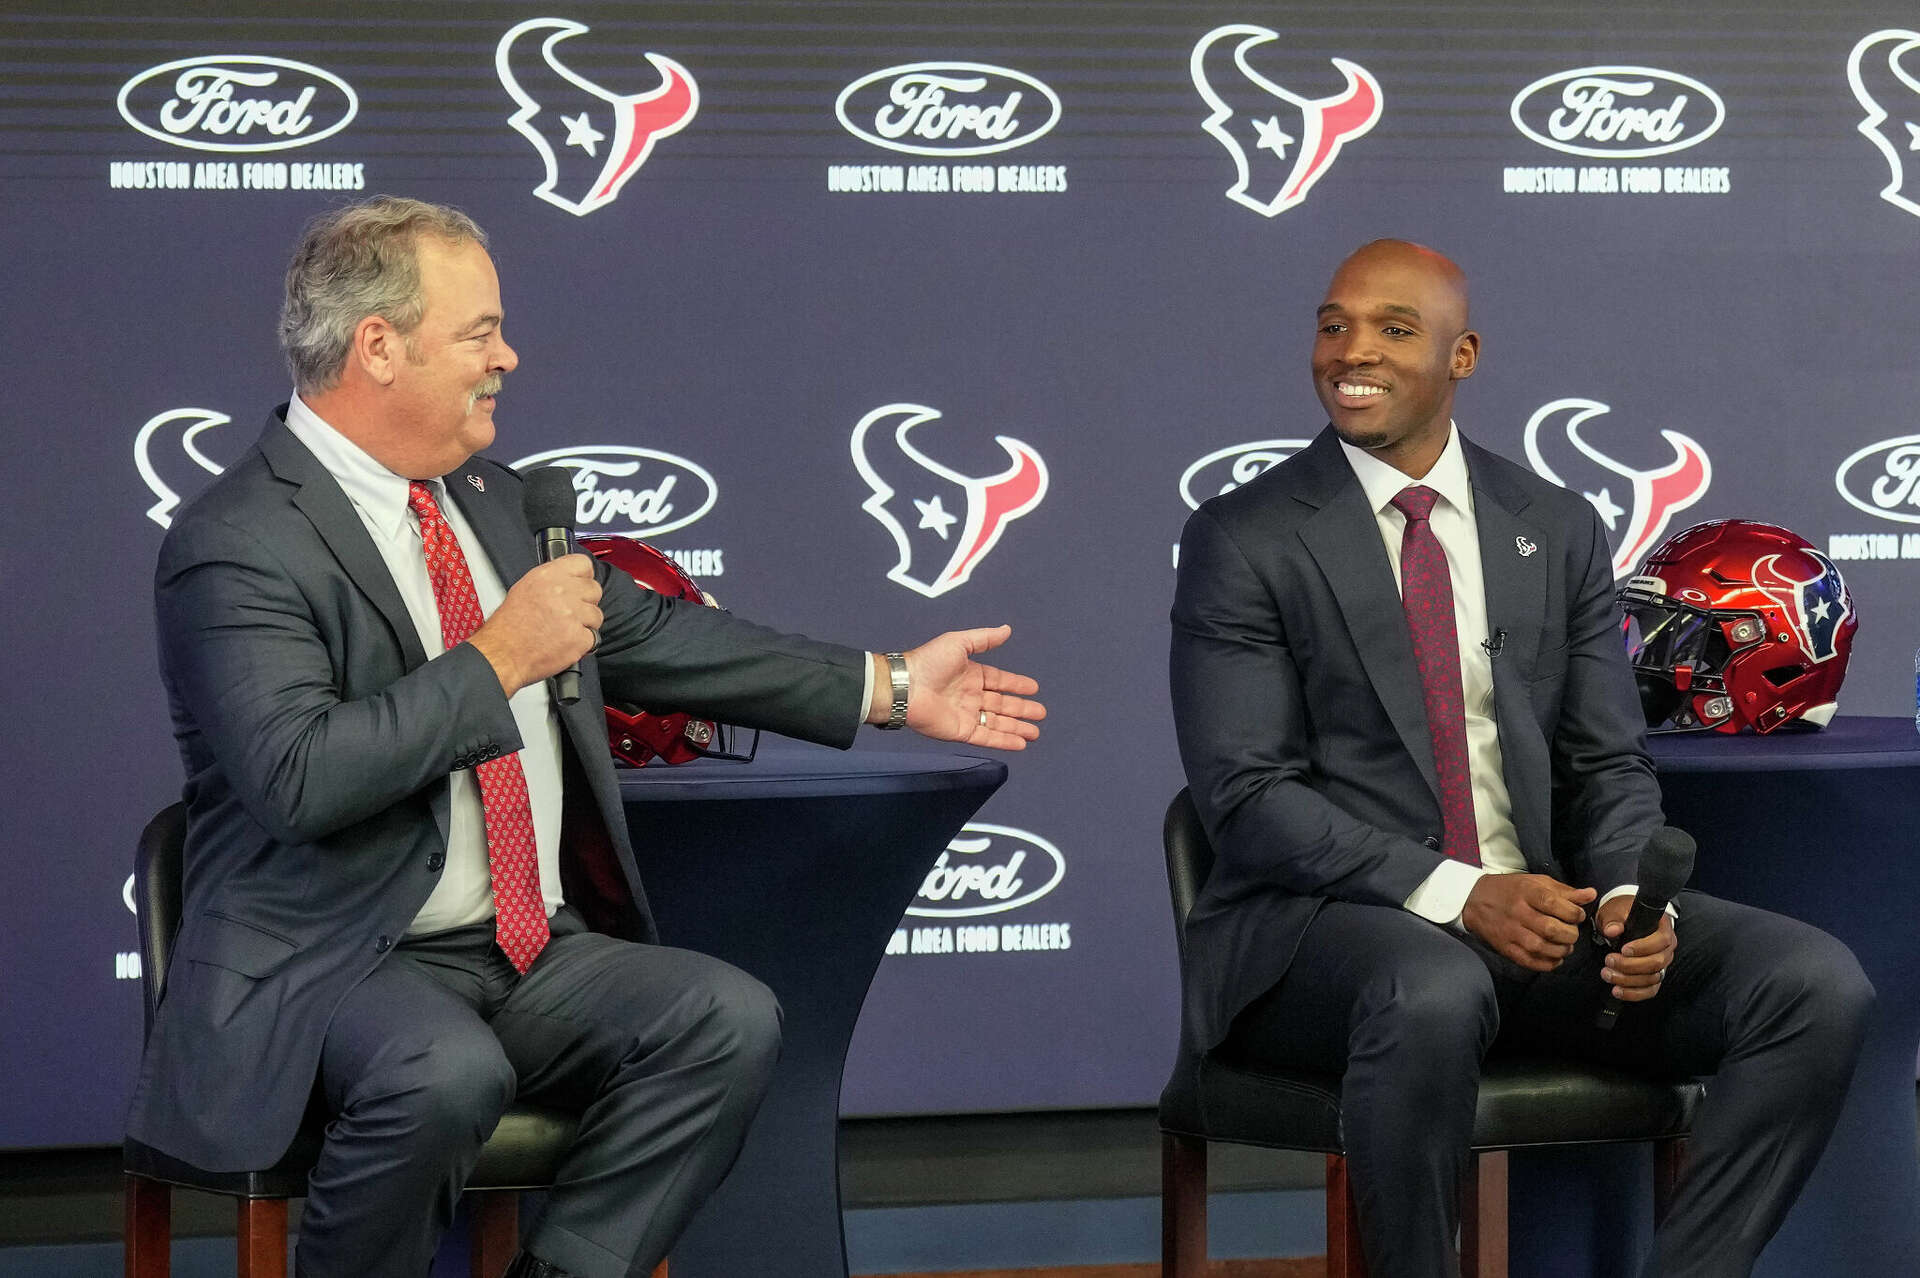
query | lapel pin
(480,486)
(1520,544)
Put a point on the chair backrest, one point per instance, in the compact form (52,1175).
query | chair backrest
(156,887)
(1189,856)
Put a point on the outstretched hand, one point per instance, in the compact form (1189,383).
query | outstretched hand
(955,698)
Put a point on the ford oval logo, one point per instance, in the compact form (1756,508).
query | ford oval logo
(1228,468)
(988,869)
(1884,479)
(1618,112)
(947,108)
(630,492)
(238,102)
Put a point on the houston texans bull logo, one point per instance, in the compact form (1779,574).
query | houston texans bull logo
(1884,72)
(1252,114)
(580,116)
(946,522)
(1653,496)
(158,452)
(1818,602)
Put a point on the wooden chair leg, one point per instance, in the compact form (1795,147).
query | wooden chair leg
(1183,1206)
(1483,1217)
(1344,1257)
(496,1231)
(148,1244)
(261,1230)
(1669,1161)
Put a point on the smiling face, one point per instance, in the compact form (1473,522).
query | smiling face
(1392,341)
(453,362)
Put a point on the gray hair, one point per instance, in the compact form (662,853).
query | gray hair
(353,262)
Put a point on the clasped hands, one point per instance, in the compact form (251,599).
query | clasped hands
(1535,920)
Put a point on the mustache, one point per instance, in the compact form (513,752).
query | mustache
(489,387)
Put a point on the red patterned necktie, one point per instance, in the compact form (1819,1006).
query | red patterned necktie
(1426,593)
(513,864)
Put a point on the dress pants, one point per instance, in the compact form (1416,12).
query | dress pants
(665,1053)
(1774,1009)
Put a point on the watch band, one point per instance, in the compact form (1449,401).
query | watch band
(901,686)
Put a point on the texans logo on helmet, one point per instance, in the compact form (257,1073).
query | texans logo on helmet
(1252,115)
(592,140)
(1884,72)
(1819,604)
(945,522)
(152,457)
(1653,496)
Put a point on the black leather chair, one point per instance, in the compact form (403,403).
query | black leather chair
(523,1152)
(1522,1103)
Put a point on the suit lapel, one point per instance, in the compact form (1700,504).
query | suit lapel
(1514,554)
(1344,540)
(320,498)
(496,520)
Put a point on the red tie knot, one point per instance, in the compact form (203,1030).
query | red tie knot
(420,497)
(1415,501)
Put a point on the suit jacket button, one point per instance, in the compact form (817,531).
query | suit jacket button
(1432,842)
(384,944)
(436,860)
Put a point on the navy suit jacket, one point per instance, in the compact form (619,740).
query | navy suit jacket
(1303,730)
(318,739)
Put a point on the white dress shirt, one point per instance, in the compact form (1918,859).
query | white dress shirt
(465,892)
(1444,894)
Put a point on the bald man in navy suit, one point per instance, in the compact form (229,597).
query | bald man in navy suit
(1406,716)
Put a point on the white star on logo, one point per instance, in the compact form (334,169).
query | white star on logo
(1604,503)
(934,516)
(581,133)
(1272,138)
(1820,611)
(1913,139)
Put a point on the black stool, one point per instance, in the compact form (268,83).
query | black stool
(1522,1103)
(523,1153)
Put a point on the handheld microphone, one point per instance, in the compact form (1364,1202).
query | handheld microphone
(1665,866)
(549,505)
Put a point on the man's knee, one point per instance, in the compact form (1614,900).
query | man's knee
(736,1020)
(1831,986)
(1434,1006)
(449,1093)
(746,1018)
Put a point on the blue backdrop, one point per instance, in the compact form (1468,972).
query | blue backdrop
(893,317)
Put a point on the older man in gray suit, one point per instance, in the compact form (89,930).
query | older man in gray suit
(1405,711)
(409,893)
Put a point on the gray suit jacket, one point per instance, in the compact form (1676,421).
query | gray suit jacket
(317,740)
(1303,730)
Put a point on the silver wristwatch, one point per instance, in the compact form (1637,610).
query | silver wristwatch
(897,679)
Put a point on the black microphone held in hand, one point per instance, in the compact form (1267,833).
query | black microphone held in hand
(549,503)
(1665,866)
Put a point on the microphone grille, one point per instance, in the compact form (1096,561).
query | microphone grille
(1666,864)
(548,498)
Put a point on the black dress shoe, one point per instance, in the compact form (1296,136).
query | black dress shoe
(527,1265)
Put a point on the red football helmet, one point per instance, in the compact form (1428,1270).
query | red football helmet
(1735,624)
(636,736)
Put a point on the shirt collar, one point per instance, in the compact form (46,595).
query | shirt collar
(377,493)
(1382,483)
